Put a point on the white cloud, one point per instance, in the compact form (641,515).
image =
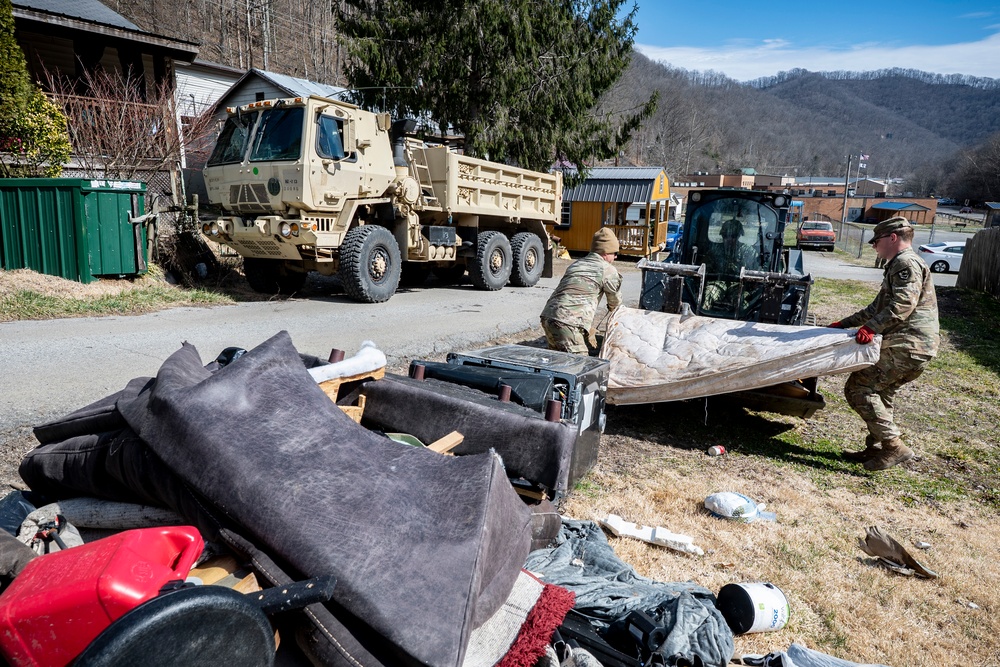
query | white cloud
(744,62)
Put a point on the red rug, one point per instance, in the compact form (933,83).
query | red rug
(536,632)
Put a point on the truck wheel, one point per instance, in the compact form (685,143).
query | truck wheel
(529,259)
(270,276)
(451,274)
(369,264)
(492,266)
(414,274)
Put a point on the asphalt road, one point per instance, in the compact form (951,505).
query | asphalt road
(833,265)
(52,367)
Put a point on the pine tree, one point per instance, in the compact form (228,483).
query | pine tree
(520,79)
(33,138)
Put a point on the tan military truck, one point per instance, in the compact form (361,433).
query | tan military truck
(314,184)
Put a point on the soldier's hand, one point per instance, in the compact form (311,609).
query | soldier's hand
(835,325)
(865,335)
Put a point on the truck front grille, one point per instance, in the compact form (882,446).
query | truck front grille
(249,198)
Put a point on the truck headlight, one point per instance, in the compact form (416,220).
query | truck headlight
(295,229)
(210,229)
(285,230)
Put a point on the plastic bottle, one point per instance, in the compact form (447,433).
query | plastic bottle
(716,450)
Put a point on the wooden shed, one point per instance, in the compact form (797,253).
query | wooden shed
(633,201)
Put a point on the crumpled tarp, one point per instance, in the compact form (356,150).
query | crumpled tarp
(607,589)
(424,547)
(658,357)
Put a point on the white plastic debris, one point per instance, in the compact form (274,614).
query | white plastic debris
(658,536)
(736,507)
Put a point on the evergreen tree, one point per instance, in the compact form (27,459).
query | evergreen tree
(33,138)
(521,79)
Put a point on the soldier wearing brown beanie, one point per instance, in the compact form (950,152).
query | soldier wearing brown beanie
(570,310)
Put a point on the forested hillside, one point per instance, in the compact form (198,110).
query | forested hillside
(911,124)
(919,126)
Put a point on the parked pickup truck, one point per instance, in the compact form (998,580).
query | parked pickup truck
(816,234)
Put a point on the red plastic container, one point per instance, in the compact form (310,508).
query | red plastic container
(60,602)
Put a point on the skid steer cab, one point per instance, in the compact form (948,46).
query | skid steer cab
(734,265)
(315,184)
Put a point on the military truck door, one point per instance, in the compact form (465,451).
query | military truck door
(339,170)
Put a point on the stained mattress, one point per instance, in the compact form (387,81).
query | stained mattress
(657,357)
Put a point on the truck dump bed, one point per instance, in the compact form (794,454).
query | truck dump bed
(466,185)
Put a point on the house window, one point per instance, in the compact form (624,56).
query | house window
(259,97)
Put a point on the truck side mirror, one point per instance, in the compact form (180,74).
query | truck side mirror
(350,138)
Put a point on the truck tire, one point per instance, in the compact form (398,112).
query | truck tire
(453,274)
(529,259)
(493,263)
(370,264)
(413,274)
(271,276)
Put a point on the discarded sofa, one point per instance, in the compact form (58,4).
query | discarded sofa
(425,547)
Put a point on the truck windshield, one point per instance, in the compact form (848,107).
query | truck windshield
(736,229)
(279,135)
(231,145)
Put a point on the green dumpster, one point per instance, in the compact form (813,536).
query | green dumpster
(75,228)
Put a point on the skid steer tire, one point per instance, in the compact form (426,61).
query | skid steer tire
(491,268)
(271,276)
(370,264)
(529,259)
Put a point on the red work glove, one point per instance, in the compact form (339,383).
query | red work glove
(835,325)
(865,335)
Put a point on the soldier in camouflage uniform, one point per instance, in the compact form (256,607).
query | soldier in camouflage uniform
(723,262)
(905,313)
(569,312)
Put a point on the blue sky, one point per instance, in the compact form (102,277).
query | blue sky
(746,40)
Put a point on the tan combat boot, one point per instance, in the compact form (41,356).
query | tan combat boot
(893,453)
(871,449)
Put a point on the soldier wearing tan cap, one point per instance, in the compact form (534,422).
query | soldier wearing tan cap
(570,310)
(905,313)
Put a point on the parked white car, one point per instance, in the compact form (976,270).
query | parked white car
(943,256)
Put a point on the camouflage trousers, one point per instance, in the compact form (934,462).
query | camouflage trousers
(871,392)
(565,337)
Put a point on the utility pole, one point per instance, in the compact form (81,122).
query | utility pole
(847,177)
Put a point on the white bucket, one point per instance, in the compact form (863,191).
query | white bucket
(756,607)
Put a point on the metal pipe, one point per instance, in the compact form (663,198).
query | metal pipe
(505,393)
(553,410)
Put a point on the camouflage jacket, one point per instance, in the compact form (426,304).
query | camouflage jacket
(905,310)
(574,301)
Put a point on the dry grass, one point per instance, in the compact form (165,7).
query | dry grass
(653,470)
(28,295)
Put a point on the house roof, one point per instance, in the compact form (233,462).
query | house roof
(71,17)
(88,10)
(292,86)
(616,184)
(900,206)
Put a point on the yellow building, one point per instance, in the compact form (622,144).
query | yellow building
(632,201)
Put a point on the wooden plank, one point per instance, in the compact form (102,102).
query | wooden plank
(332,387)
(446,443)
(215,569)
